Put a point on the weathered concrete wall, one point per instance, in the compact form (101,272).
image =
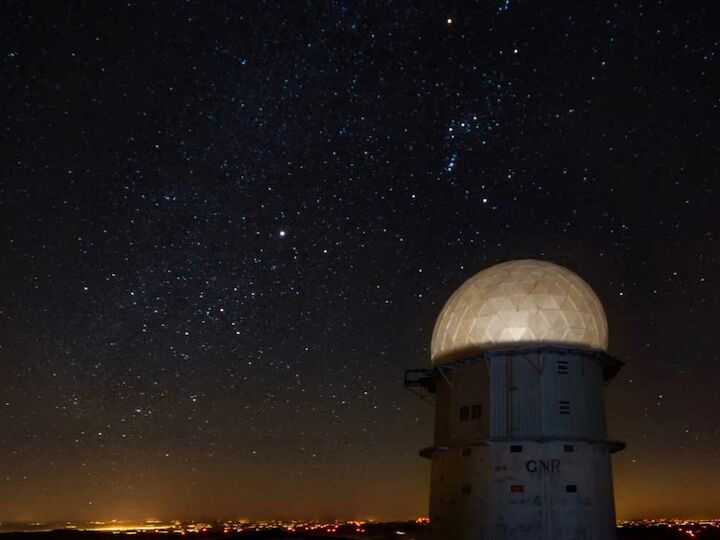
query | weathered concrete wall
(534,465)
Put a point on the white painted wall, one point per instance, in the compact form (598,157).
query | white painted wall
(543,454)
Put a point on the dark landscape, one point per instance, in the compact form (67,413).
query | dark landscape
(639,530)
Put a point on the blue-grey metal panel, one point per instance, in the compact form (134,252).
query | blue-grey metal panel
(498,397)
(525,397)
(549,391)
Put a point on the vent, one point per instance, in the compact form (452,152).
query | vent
(571,488)
(515,449)
(476,411)
(562,367)
(464,413)
(564,407)
(568,447)
(466,489)
(467,452)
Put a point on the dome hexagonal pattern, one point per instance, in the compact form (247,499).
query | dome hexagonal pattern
(519,302)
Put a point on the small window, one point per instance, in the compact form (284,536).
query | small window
(464,413)
(568,447)
(517,488)
(466,489)
(467,452)
(571,488)
(562,367)
(515,449)
(476,411)
(564,407)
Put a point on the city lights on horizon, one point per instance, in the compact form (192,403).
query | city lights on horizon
(690,527)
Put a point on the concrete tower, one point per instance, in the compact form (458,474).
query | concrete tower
(521,449)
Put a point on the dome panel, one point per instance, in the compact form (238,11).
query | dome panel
(523,302)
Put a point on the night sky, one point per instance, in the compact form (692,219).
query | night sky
(226,230)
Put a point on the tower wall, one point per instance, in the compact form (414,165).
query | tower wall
(520,449)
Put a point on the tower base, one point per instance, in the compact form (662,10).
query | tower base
(523,490)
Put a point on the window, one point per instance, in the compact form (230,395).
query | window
(467,452)
(466,489)
(564,407)
(464,413)
(568,447)
(571,488)
(517,488)
(476,411)
(562,367)
(515,449)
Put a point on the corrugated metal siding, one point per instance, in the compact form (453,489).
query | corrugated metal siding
(526,391)
(498,397)
(595,394)
(566,390)
(443,411)
(525,396)
(549,391)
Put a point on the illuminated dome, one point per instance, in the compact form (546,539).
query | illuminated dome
(519,302)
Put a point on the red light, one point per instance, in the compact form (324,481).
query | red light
(517,488)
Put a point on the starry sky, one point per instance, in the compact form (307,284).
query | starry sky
(226,230)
